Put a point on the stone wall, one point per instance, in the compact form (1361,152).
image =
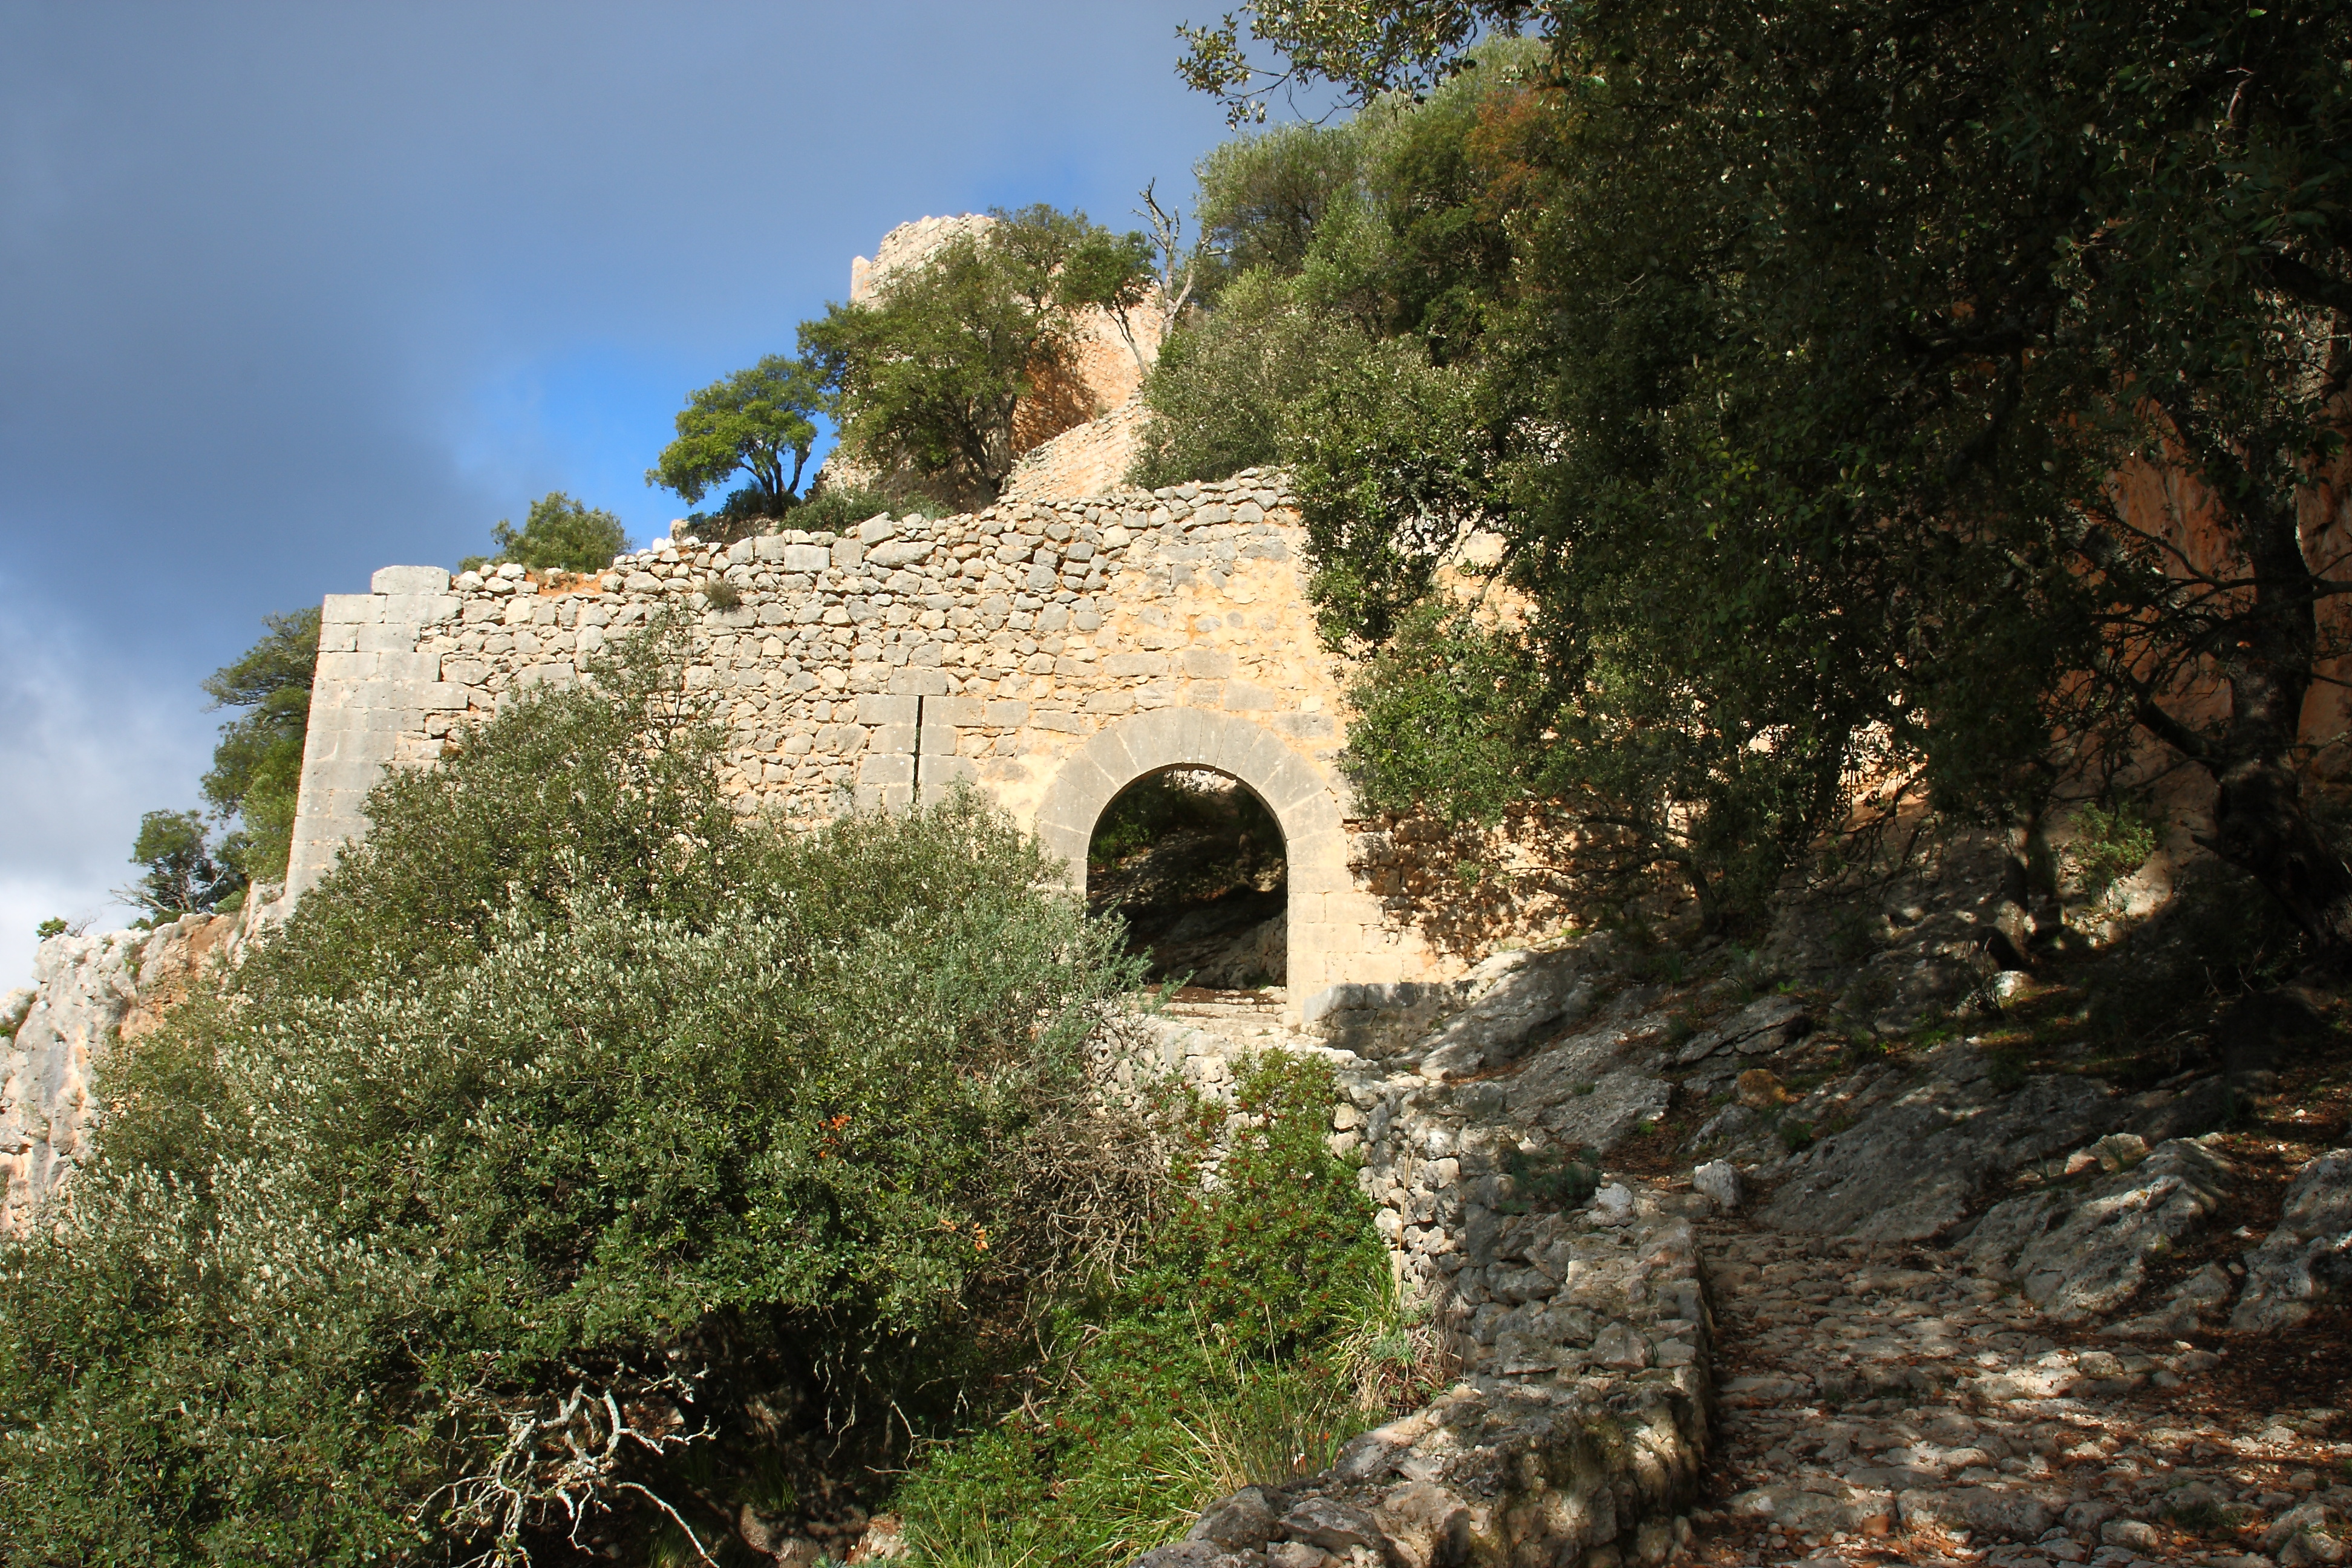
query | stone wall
(1049,652)
(1090,460)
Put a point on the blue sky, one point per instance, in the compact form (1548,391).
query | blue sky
(289,292)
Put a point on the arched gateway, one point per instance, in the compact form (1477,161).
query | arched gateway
(1048,653)
(1304,801)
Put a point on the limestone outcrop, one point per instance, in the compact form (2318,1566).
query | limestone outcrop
(89,994)
(2308,1257)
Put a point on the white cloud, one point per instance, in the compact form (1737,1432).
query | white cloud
(89,740)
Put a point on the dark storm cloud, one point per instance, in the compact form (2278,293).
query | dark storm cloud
(288,293)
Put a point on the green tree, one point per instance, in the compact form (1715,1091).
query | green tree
(182,875)
(559,534)
(256,771)
(1841,325)
(1114,271)
(1263,197)
(760,423)
(926,378)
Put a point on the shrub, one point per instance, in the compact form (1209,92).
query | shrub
(1222,385)
(1260,1330)
(840,510)
(2110,843)
(570,1108)
(559,534)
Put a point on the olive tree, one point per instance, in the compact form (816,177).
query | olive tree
(758,423)
(926,377)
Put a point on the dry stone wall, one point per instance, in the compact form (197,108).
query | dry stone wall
(1578,1323)
(1049,652)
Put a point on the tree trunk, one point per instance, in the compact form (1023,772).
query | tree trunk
(2260,826)
(2268,653)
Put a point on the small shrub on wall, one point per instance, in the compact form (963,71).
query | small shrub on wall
(582,1163)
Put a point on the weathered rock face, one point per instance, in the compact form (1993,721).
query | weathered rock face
(89,993)
(2082,1253)
(2309,1256)
(1924,1148)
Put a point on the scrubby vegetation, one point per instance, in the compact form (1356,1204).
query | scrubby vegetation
(1257,1333)
(587,1167)
(1778,365)
(559,533)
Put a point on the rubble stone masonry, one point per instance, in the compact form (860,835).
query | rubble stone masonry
(1050,652)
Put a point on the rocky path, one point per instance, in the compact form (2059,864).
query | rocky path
(2109,1364)
(1890,1405)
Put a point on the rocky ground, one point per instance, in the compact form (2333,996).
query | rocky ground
(1884,1403)
(1986,1285)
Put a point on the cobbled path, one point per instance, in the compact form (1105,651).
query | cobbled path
(1884,1405)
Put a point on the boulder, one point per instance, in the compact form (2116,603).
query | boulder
(1428,1526)
(1542,990)
(1849,1507)
(2313,1532)
(1717,1181)
(1763,1026)
(1911,1167)
(2195,1302)
(2082,1252)
(2309,1256)
(1244,1522)
(2012,1515)
(1330,1524)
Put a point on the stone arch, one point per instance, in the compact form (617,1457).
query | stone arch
(1304,802)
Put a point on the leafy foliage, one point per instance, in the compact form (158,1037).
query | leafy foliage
(560,534)
(1811,361)
(925,378)
(2110,843)
(1264,197)
(182,875)
(1257,1333)
(570,1080)
(1221,387)
(256,771)
(750,423)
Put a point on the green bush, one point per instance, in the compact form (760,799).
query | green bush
(840,510)
(559,534)
(571,1086)
(1259,1332)
(1224,385)
(2110,843)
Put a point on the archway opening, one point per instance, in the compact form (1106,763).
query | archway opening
(1195,865)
